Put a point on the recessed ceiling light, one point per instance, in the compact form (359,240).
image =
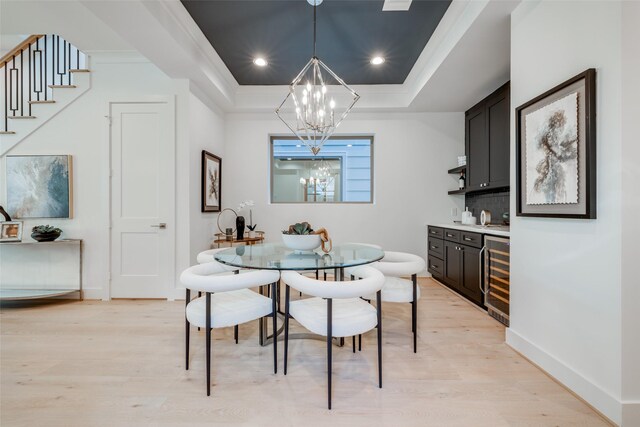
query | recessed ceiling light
(260,62)
(298,145)
(377,60)
(349,145)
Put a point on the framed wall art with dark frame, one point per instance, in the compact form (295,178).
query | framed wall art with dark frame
(556,151)
(211,182)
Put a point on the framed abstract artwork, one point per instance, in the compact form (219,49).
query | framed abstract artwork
(556,151)
(39,186)
(211,195)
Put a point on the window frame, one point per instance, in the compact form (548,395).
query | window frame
(370,137)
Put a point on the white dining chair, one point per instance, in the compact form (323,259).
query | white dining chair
(396,289)
(335,310)
(209,256)
(227,301)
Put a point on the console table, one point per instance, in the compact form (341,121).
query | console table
(221,240)
(30,270)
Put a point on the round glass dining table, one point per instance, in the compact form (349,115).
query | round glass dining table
(276,256)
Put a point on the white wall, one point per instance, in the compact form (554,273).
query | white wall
(566,274)
(411,152)
(206,133)
(630,207)
(82,131)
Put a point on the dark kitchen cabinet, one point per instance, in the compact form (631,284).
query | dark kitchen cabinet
(454,259)
(487,141)
(471,277)
(452,265)
(477,148)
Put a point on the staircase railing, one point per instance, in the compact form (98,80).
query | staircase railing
(31,71)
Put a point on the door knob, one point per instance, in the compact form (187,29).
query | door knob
(161,225)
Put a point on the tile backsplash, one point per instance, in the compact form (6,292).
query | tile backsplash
(497,202)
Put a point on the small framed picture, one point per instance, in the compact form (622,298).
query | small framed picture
(11,231)
(556,151)
(211,182)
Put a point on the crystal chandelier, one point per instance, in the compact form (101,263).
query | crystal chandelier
(316,100)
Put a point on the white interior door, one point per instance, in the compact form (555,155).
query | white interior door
(142,199)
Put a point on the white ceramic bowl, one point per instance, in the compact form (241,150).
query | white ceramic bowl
(298,242)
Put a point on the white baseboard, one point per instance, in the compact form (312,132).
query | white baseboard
(630,413)
(95,293)
(593,394)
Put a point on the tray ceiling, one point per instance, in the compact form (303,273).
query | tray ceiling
(349,34)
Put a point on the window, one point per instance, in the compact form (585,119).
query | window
(341,173)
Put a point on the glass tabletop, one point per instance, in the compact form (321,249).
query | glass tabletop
(276,256)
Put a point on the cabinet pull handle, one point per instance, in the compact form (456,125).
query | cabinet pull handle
(468,239)
(480,271)
(434,267)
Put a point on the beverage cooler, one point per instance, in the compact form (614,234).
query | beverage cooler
(496,277)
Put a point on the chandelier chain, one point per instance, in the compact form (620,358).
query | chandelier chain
(314,29)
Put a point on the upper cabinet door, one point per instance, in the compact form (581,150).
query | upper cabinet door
(497,110)
(477,148)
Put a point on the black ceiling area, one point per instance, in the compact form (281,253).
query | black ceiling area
(349,34)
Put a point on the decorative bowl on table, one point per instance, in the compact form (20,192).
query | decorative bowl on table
(302,242)
(45,233)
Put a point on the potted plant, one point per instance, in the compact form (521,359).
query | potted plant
(45,233)
(300,237)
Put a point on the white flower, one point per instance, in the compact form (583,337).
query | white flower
(245,204)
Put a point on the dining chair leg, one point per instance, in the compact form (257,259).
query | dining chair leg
(360,342)
(274,315)
(379,312)
(354,343)
(325,275)
(199,295)
(414,312)
(286,327)
(329,348)
(187,328)
(235,333)
(317,274)
(261,322)
(208,341)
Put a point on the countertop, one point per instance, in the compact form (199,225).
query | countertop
(494,230)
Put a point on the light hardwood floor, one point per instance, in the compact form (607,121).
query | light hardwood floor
(121,363)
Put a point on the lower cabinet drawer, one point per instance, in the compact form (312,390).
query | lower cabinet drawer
(471,239)
(436,247)
(451,235)
(436,266)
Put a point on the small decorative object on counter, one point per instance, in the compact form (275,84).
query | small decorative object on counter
(228,234)
(251,226)
(505,218)
(461,181)
(239,228)
(252,230)
(466,216)
(485,217)
(10,231)
(45,233)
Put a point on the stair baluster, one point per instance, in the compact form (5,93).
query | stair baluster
(43,62)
